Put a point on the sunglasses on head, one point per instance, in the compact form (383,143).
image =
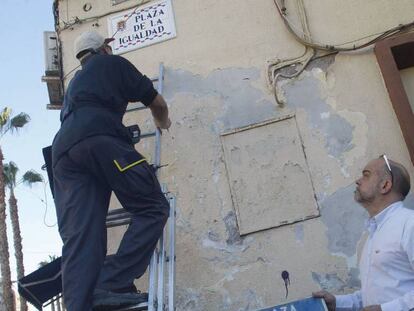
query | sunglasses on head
(388,166)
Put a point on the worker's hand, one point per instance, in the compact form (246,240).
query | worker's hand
(372,308)
(330,299)
(163,125)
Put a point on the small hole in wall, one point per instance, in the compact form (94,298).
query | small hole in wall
(286,280)
(87,7)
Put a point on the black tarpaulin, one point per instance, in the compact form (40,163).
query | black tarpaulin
(42,284)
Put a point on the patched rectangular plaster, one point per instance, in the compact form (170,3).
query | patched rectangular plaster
(268,174)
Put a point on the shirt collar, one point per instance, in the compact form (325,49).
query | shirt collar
(373,223)
(85,58)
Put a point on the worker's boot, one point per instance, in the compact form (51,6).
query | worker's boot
(104,300)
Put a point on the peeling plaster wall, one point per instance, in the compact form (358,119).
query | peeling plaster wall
(215,80)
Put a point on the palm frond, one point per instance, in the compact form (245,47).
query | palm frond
(5,116)
(46,261)
(19,121)
(12,124)
(43,263)
(9,172)
(52,257)
(31,177)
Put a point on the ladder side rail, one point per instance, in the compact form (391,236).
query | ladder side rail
(152,299)
(171,263)
(161,265)
(157,160)
(152,292)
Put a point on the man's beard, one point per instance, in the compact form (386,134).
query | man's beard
(363,197)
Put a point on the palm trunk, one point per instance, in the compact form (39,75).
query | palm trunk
(17,238)
(4,247)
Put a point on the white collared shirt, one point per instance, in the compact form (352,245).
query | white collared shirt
(387,263)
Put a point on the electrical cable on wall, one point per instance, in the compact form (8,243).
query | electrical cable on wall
(329,47)
(79,21)
(275,67)
(44,201)
(76,20)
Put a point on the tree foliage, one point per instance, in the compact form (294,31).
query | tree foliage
(12,124)
(8,179)
(10,171)
(31,177)
(46,261)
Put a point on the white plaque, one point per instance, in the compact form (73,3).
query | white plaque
(142,26)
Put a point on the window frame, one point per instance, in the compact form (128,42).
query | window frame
(393,55)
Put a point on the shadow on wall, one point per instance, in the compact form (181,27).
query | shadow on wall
(409,200)
(344,219)
(345,222)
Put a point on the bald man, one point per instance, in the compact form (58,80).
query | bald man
(387,260)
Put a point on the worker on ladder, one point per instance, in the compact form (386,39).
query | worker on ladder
(93,155)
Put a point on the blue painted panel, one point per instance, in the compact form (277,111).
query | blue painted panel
(308,304)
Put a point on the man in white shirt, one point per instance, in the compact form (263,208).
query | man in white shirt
(387,260)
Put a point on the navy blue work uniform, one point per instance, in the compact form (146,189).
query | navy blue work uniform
(92,156)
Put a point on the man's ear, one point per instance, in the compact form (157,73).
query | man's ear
(386,186)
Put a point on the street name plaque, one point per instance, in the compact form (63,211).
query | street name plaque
(145,25)
(307,304)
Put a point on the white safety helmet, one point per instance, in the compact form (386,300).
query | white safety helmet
(89,40)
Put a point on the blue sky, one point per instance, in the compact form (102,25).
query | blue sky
(22,23)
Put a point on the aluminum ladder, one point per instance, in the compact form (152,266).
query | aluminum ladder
(160,296)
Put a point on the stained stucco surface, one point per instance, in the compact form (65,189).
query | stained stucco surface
(317,253)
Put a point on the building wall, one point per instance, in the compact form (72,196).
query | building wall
(215,82)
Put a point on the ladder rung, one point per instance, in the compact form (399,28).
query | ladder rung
(118,217)
(137,108)
(116,211)
(150,134)
(138,307)
(115,223)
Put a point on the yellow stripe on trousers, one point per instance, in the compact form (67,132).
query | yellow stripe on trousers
(123,169)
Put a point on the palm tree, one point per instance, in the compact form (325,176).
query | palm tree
(7,124)
(30,177)
(10,171)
